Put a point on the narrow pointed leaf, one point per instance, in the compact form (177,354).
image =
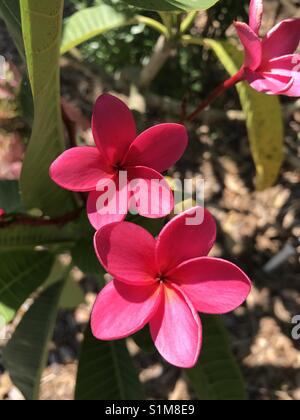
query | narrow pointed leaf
(172,5)
(10,13)
(217,375)
(88,23)
(106,372)
(21,273)
(25,356)
(41,25)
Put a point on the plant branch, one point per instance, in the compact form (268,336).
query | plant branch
(25,220)
(162,52)
(229,83)
(152,23)
(188,21)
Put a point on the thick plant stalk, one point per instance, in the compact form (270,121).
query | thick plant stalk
(161,54)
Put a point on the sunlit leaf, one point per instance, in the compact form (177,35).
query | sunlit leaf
(172,5)
(41,24)
(88,23)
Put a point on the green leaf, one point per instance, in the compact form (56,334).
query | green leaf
(25,356)
(10,200)
(263,117)
(154,226)
(10,13)
(72,294)
(41,24)
(106,372)
(88,23)
(217,375)
(84,257)
(21,273)
(28,237)
(143,339)
(173,5)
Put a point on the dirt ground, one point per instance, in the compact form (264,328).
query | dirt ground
(253,228)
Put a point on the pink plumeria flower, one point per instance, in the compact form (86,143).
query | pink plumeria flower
(164,282)
(2,213)
(118,148)
(271,64)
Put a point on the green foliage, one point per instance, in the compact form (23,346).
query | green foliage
(21,273)
(88,23)
(216,376)
(28,237)
(10,200)
(173,5)
(106,372)
(41,24)
(25,356)
(10,13)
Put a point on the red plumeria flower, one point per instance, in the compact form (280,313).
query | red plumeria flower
(143,157)
(164,282)
(271,65)
(2,213)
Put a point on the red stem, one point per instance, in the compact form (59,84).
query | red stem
(228,84)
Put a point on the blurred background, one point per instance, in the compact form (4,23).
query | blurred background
(254,227)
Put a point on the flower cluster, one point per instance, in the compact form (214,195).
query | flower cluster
(163,282)
(166,281)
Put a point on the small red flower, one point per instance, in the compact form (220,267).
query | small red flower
(271,64)
(143,157)
(164,282)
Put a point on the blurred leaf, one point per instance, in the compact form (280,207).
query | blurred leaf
(10,200)
(10,13)
(106,372)
(217,375)
(154,226)
(84,257)
(28,237)
(264,119)
(21,273)
(172,5)
(41,25)
(88,23)
(25,356)
(72,294)
(143,339)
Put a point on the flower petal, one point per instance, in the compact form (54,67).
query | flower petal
(159,147)
(288,67)
(252,45)
(151,195)
(176,329)
(99,217)
(255,15)
(121,310)
(283,39)
(269,83)
(185,238)
(80,169)
(214,286)
(127,252)
(113,128)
